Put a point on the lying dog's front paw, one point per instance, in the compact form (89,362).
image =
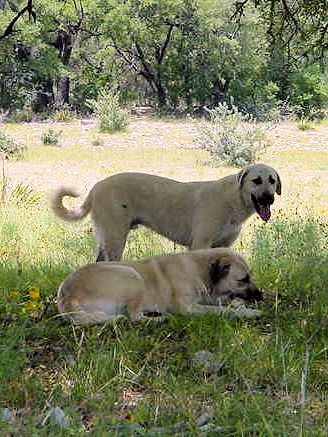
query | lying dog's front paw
(240,310)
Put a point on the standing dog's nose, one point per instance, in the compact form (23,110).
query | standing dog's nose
(266,198)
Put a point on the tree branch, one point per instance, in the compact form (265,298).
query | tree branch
(28,8)
(161,51)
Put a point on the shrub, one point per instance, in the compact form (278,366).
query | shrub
(64,113)
(309,89)
(21,116)
(231,137)
(304,125)
(111,117)
(98,142)
(51,136)
(10,148)
(290,255)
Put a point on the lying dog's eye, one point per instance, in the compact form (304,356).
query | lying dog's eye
(257,180)
(244,280)
(272,180)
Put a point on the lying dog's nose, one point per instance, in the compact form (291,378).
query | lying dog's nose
(254,294)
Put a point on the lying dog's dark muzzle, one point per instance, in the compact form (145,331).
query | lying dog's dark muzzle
(254,294)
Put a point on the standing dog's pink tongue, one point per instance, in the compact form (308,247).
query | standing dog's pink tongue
(264,212)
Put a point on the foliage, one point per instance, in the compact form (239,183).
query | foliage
(64,113)
(9,147)
(231,137)
(304,124)
(283,252)
(110,116)
(98,142)
(51,136)
(309,89)
(175,55)
(21,116)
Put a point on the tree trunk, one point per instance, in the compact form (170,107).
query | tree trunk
(161,94)
(64,43)
(219,92)
(63,91)
(44,97)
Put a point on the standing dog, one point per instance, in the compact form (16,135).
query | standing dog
(198,215)
(192,282)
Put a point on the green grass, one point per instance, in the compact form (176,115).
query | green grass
(143,374)
(256,391)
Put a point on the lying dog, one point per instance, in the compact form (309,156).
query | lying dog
(198,215)
(187,283)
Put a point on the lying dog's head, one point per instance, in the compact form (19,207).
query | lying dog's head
(259,183)
(230,277)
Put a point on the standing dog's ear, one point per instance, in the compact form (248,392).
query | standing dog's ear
(241,176)
(278,189)
(218,270)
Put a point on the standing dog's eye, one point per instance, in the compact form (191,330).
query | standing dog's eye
(257,180)
(272,180)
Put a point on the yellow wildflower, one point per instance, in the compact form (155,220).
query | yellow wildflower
(129,418)
(15,294)
(34,294)
(30,306)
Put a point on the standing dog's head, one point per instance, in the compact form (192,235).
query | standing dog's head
(259,183)
(230,277)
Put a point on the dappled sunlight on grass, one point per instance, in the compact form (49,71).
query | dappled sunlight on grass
(144,374)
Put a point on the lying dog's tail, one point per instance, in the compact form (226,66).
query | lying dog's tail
(56,204)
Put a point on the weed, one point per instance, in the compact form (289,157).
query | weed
(64,113)
(51,136)
(305,125)
(9,147)
(98,142)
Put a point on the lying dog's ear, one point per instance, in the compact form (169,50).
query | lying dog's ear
(241,176)
(278,189)
(218,270)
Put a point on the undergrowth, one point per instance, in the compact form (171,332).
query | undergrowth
(117,379)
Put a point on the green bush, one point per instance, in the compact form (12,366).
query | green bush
(21,116)
(111,117)
(231,137)
(51,136)
(9,147)
(290,255)
(309,89)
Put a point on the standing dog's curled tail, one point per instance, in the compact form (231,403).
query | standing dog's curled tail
(56,204)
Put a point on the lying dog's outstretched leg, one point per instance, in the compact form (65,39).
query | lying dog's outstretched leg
(233,311)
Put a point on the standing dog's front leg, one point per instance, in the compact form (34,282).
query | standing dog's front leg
(236,310)
(202,237)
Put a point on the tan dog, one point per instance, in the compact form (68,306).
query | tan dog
(192,282)
(198,215)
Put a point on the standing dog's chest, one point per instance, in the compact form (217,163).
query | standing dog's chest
(225,235)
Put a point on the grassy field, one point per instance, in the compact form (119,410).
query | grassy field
(184,376)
